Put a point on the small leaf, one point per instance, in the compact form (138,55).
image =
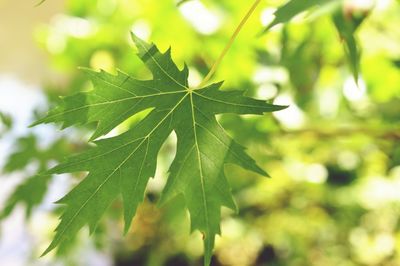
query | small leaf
(6,120)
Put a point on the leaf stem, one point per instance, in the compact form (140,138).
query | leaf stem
(229,44)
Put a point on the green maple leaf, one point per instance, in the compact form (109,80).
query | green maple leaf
(122,165)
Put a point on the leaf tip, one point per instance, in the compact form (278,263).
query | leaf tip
(135,38)
(48,249)
(127,227)
(86,69)
(35,123)
(264,173)
(280,107)
(93,137)
(263,32)
(140,44)
(133,35)
(208,249)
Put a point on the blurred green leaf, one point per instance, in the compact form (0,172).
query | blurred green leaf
(33,189)
(26,152)
(5,123)
(293,8)
(31,193)
(347,28)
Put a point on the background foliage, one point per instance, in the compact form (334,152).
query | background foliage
(334,155)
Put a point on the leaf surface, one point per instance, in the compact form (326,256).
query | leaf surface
(122,165)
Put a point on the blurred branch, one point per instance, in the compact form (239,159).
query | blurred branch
(41,2)
(389,134)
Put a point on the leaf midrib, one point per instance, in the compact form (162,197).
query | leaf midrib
(112,102)
(202,181)
(230,103)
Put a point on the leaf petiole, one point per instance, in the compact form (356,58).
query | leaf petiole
(229,44)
